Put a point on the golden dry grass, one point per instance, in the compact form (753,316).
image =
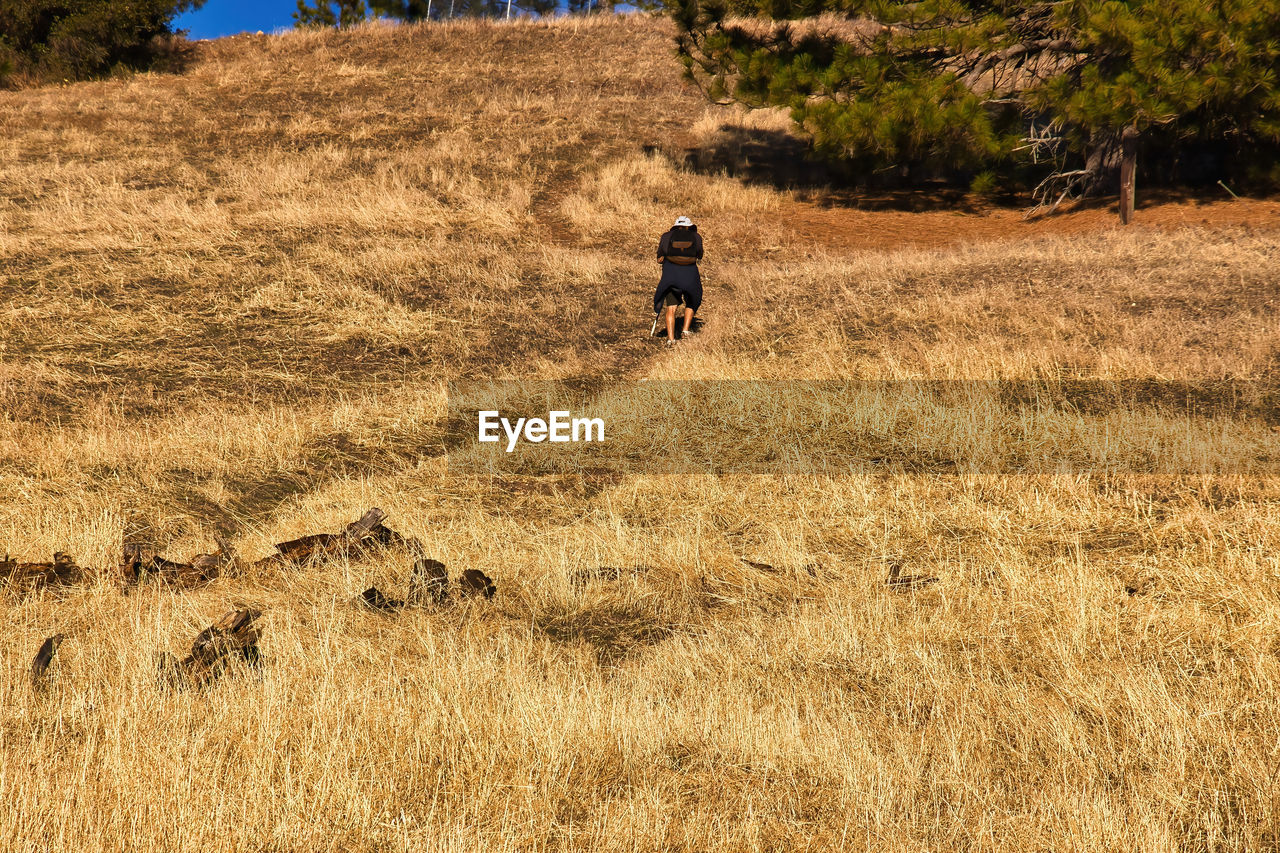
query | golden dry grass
(231,302)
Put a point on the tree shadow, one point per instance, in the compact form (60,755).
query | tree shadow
(171,53)
(785,162)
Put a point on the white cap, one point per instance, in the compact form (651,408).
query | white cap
(684,221)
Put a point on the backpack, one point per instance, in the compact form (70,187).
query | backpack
(682,246)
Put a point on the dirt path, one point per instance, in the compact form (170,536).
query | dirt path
(627,352)
(846,228)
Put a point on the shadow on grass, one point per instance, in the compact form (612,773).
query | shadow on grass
(613,630)
(784,161)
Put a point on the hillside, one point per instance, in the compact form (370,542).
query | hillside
(232,304)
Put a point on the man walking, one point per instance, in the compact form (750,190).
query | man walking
(679,251)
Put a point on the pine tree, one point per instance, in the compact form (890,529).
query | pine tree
(405,10)
(78,39)
(330,13)
(945,86)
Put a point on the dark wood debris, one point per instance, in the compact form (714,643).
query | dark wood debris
(429,585)
(139,563)
(475,582)
(212,565)
(27,577)
(428,582)
(897,580)
(360,537)
(44,657)
(233,638)
(374,599)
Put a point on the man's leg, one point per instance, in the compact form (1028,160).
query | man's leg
(688,321)
(671,322)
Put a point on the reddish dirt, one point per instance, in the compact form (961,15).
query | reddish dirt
(850,228)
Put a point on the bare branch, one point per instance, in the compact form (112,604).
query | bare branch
(1067,185)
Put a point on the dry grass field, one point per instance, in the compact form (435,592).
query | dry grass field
(232,300)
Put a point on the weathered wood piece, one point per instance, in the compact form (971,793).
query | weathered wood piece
(365,524)
(132,560)
(428,582)
(235,632)
(356,539)
(1128,173)
(385,537)
(307,548)
(212,565)
(475,582)
(898,580)
(233,637)
(44,657)
(31,576)
(139,563)
(374,599)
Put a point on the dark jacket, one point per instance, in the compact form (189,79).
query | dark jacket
(680,267)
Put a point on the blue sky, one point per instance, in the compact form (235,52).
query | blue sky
(227,17)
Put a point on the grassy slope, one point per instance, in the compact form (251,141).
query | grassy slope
(230,299)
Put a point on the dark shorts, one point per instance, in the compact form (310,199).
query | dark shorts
(673,297)
(683,279)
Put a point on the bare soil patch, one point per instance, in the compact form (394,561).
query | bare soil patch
(851,227)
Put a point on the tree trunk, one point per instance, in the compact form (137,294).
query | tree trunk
(1128,166)
(1104,156)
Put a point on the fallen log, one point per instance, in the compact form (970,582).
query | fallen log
(31,576)
(358,538)
(212,565)
(233,638)
(139,563)
(385,537)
